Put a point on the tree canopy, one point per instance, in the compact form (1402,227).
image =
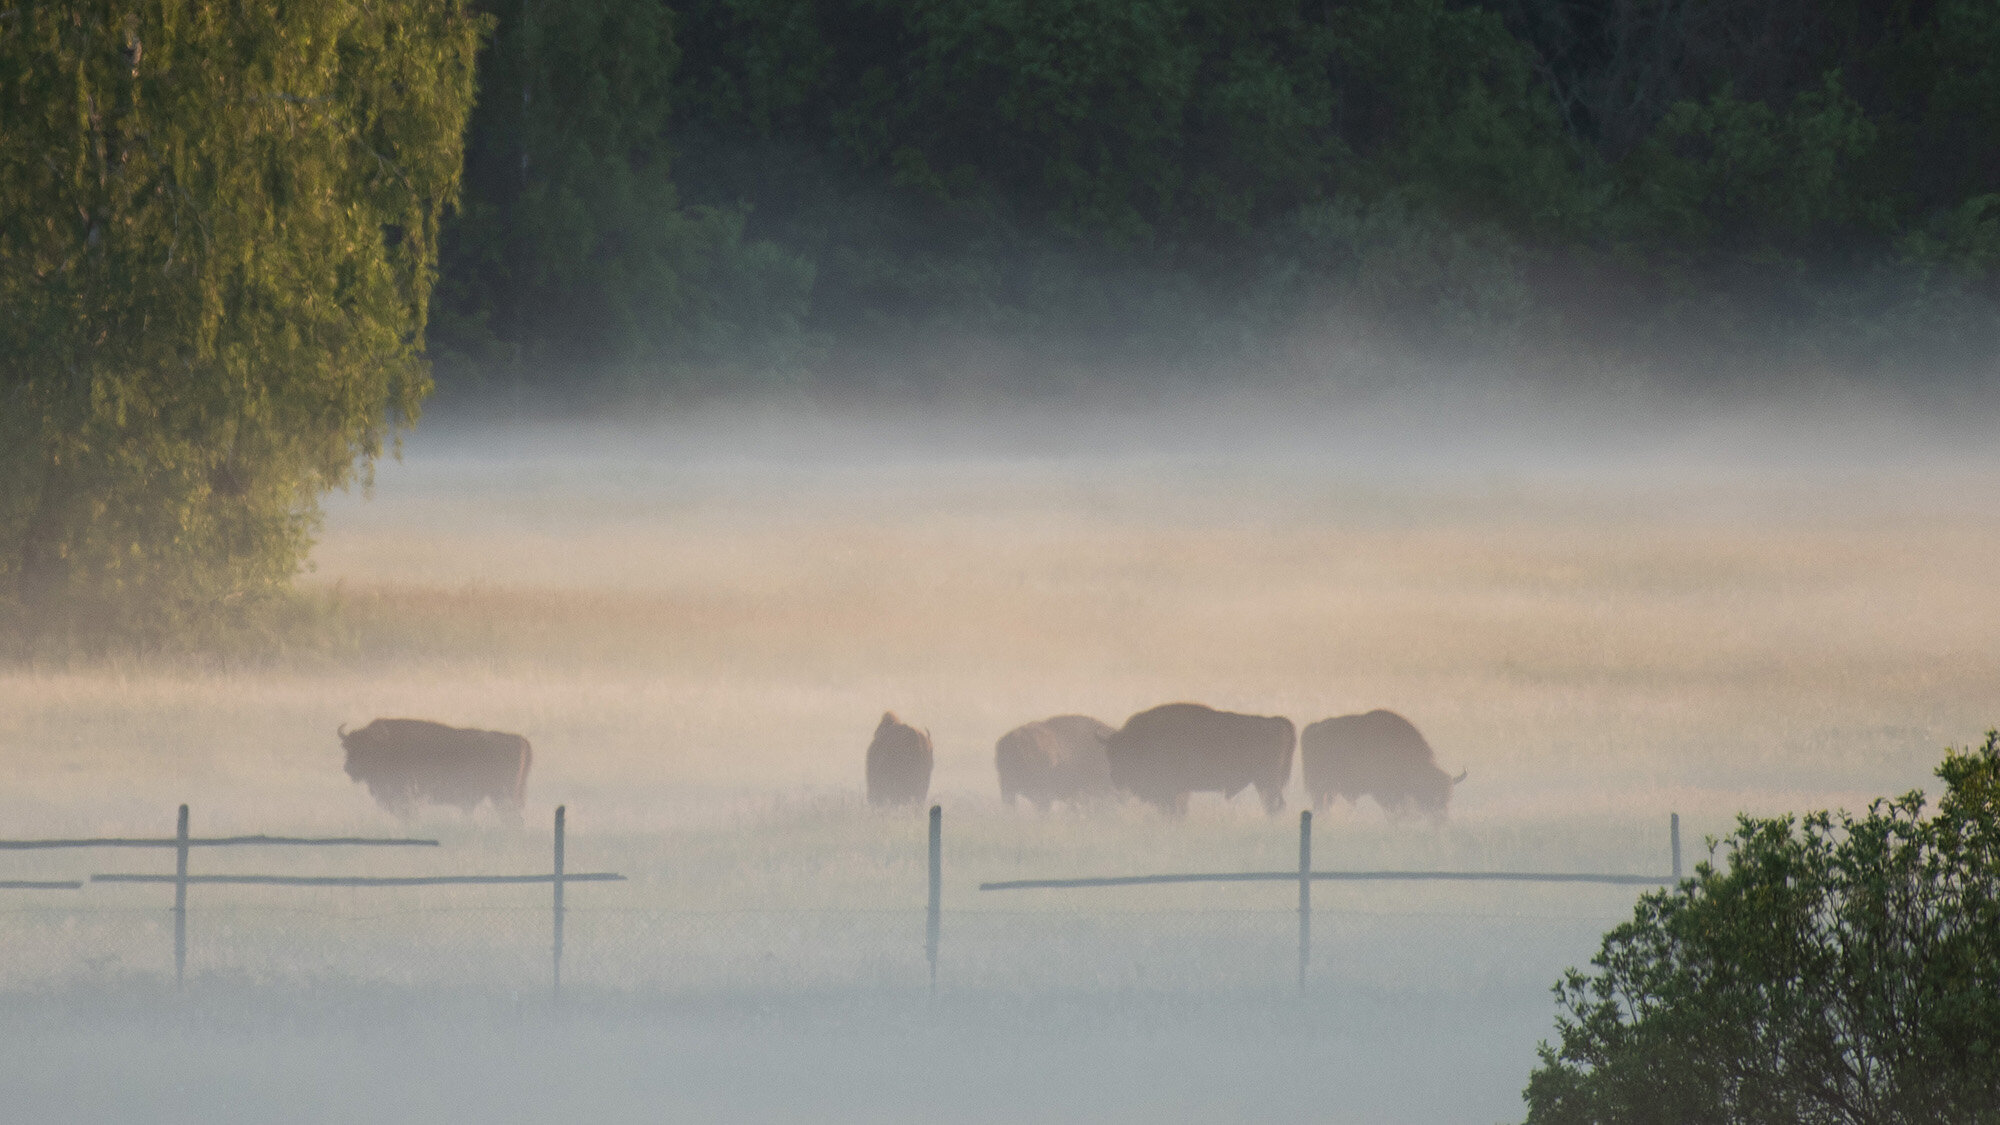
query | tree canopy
(1757,182)
(218,234)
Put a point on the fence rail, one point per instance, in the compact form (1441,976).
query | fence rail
(557,878)
(1327,876)
(359,880)
(1305,877)
(182,843)
(213,842)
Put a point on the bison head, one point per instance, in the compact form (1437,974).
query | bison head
(1431,792)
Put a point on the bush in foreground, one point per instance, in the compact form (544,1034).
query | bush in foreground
(1833,969)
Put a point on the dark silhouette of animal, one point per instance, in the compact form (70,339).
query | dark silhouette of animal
(1379,755)
(407,762)
(1059,759)
(899,763)
(1162,755)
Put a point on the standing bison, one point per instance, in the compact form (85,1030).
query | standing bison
(1164,754)
(1380,755)
(1059,759)
(899,763)
(405,762)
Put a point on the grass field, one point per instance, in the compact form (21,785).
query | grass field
(1602,619)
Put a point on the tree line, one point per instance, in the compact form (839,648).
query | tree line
(715,193)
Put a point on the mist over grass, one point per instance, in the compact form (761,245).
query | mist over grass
(1605,610)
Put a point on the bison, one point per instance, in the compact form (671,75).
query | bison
(899,763)
(1162,755)
(1059,759)
(1378,754)
(407,761)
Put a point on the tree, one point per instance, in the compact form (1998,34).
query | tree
(733,185)
(218,231)
(573,260)
(1835,969)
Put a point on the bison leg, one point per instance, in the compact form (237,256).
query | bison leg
(1274,800)
(399,801)
(1397,805)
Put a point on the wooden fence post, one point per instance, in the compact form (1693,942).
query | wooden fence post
(181,897)
(1676,828)
(555,991)
(937,891)
(1305,892)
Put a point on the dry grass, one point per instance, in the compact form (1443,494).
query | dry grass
(699,647)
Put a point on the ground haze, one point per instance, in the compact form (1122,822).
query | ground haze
(1603,615)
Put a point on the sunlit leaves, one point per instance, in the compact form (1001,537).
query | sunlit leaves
(217,236)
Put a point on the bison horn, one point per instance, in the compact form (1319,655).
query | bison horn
(342,731)
(1460,777)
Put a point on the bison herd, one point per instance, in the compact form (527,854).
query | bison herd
(1161,756)
(1166,754)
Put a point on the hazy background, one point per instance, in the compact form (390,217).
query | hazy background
(1605,610)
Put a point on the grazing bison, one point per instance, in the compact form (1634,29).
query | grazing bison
(405,762)
(1059,759)
(899,763)
(1162,755)
(1378,754)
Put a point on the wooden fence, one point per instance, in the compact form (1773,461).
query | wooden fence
(183,843)
(558,877)
(1305,876)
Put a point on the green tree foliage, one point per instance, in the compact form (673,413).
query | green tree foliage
(218,231)
(573,254)
(1788,180)
(1762,177)
(1137,122)
(1728,178)
(1834,969)
(1443,109)
(1944,104)
(1104,170)
(1795,181)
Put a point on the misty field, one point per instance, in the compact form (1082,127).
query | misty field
(698,624)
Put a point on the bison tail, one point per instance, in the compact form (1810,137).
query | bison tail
(1460,777)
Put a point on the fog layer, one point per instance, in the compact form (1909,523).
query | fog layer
(1602,615)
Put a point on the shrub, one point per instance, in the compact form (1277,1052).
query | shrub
(1833,969)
